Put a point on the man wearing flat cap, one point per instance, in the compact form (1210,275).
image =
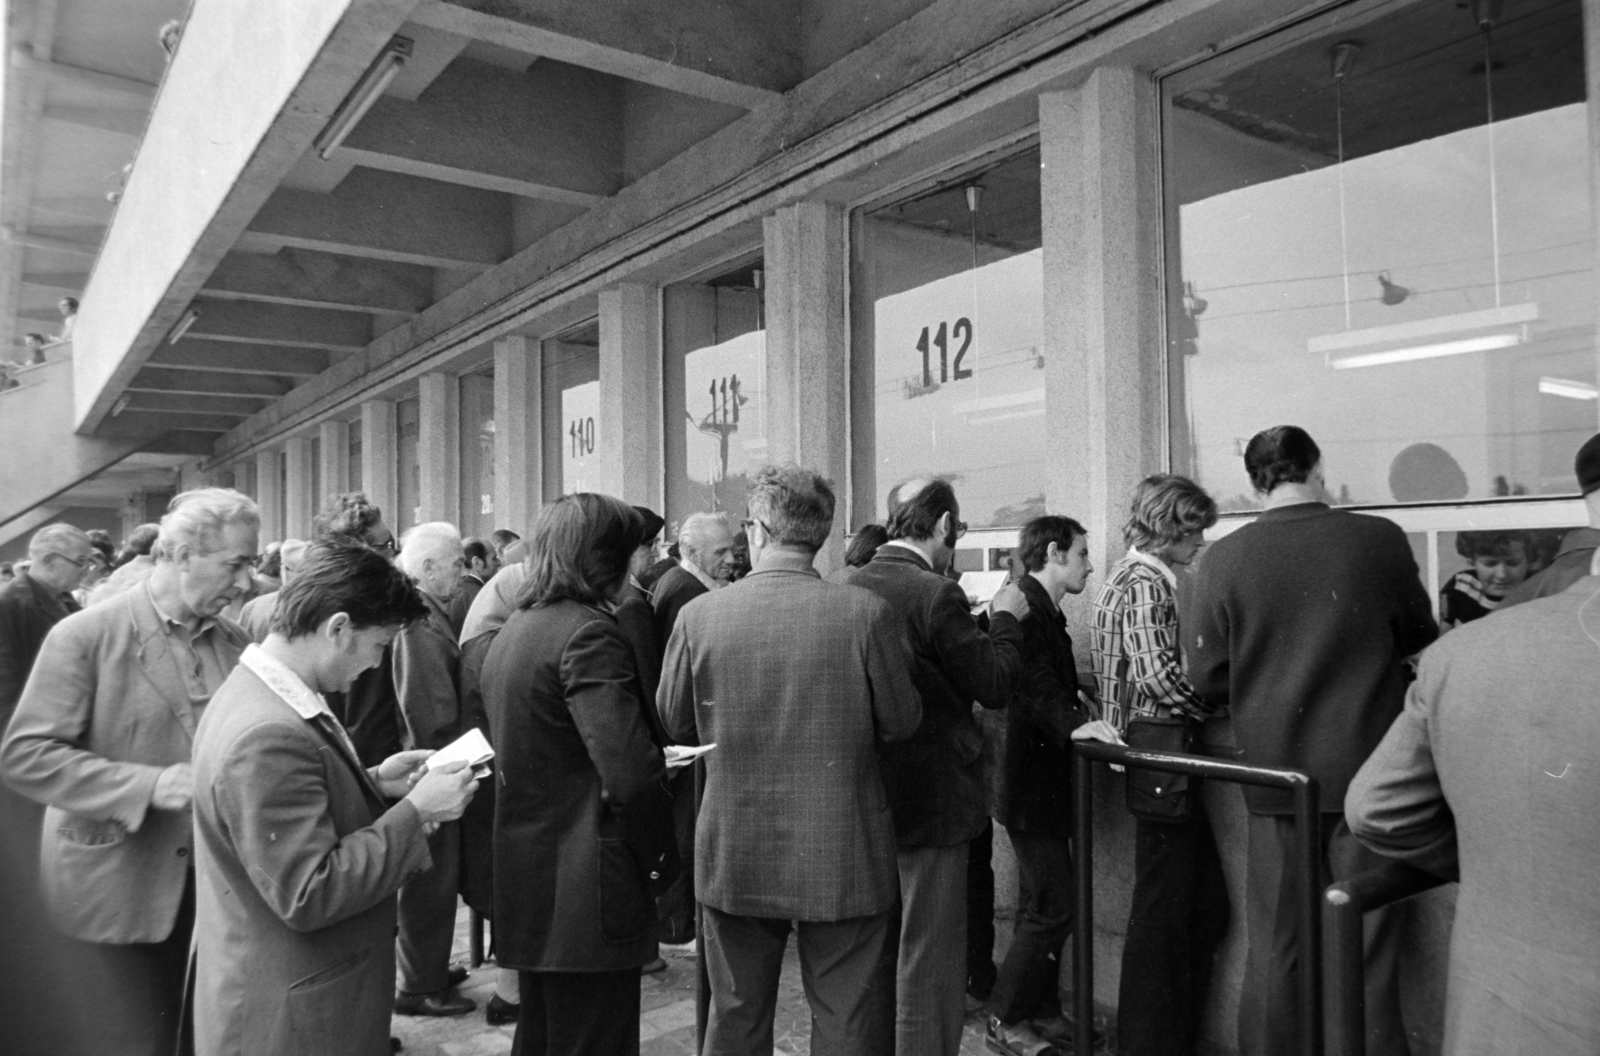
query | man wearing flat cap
(1578,547)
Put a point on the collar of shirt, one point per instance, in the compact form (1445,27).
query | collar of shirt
(1156,563)
(204,624)
(695,571)
(782,561)
(284,682)
(902,544)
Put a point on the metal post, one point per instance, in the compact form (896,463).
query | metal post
(1308,846)
(1346,1011)
(1083,927)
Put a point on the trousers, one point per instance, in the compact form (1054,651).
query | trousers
(980,914)
(844,966)
(427,916)
(1029,984)
(931,966)
(1177,921)
(578,1014)
(1268,1012)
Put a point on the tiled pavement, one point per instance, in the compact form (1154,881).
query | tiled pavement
(666,1020)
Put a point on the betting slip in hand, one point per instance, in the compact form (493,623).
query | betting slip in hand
(471,748)
(681,755)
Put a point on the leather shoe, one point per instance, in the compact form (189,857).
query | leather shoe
(1017,1039)
(440,1003)
(456,975)
(499,1011)
(657,965)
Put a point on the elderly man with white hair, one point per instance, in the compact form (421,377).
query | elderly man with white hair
(102,737)
(427,681)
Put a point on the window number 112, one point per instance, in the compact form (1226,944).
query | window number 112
(961,331)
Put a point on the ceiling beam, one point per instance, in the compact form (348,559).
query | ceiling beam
(191,404)
(311,279)
(96,211)
(48,242)
(279,324)
(121,122)
(233,358)
(114,89)
(390,216)
(552,132)
(67,281)
(198,383)
(743,57)
(137,420)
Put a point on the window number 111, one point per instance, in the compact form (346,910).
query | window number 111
(961,331)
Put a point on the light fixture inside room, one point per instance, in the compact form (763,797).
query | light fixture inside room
(1572,390)
(372,84)
(1487,343)
(190,317)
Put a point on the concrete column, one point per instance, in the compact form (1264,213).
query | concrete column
(302,504)
(335,455)
(439,448)
(518,432)
(807,350)
(1102,305)
(378,440)
(630,441)
(269,489)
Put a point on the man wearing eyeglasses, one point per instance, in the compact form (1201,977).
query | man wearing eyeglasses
(935,779)
(103,736)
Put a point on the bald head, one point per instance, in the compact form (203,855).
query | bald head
(916,507)
(431,554)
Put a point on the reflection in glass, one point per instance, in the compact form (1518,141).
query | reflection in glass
(1361,251)
(477,454)
(715,380)
(408,467)
(947,336)
(571,394)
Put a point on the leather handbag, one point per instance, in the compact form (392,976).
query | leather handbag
(1155,795)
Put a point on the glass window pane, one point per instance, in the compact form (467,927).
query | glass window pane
(477,454)
(715,379)
(408,468)
(355,455)
(947,335)
(571,394)
(1362,252)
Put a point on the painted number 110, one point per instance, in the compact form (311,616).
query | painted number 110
(961,331)
(581,433)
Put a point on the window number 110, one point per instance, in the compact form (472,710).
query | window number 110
(961,331)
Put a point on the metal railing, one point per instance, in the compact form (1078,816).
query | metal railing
(1343,906)
(1307,866)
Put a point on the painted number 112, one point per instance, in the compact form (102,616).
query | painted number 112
(961,331)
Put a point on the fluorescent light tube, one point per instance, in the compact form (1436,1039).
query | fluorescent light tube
(1487,343)
(1572,390)
(189,319)
(372,84)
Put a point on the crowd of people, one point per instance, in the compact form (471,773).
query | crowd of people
(227,769)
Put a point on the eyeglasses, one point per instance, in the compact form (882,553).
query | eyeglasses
(961,529)
(72,560)
(388,546)
(748,521)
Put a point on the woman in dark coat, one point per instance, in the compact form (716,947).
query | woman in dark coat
(583,826)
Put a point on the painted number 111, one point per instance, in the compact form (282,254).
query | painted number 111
(961,331)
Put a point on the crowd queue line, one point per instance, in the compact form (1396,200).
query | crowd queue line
(244,846)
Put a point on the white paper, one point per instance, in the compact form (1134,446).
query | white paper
(682,755)
(471,748)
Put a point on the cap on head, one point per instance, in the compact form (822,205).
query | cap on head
(1587,465)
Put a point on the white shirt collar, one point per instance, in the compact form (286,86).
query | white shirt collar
(695,571)
(284,682)
(902,544)
(1156,563)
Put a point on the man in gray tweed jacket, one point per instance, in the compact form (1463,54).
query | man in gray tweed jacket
(795,681)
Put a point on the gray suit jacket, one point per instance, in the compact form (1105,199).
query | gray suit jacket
(104,712)
(795,680)
(298,858)
(1495,762)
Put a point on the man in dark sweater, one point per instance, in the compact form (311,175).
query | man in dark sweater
(1302,621)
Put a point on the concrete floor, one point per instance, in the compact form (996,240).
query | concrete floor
(666,1020)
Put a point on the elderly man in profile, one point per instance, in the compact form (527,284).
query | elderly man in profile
(706,544)
(102,737)
(427,680)
(795,825)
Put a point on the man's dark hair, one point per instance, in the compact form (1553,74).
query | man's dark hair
(475,549)
(271,563)
(578,549)
(795,504)
(1472,545)
(1284,454)
(917,516)
(865,544)
(502,538)
(1033,542)
(1165,508)
(349,516)
(142,539)
(344,576)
